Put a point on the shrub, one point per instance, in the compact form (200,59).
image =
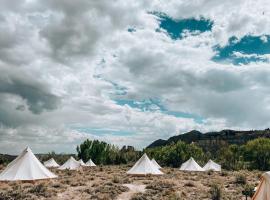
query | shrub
(210,172)
(224,173)
(116,179)
(240,179)
(189,184)
(39,189)
(248,190)
(175,196)
(216,192)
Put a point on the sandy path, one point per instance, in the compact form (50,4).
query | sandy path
(133,189)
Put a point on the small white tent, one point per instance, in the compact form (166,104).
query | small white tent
(51,163)
(211,165)
(90,163)
(144,166)
(263,190)
(82,163)
(26,167)
(71,164)
(155,163)
(191,165)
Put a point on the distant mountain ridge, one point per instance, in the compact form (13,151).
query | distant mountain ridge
(213,140)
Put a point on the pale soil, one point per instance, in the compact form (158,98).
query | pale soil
(110,182)
(133,189)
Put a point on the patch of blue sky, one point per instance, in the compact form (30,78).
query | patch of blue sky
(153,105)
(244,50)
(144,105)
(176,28)
(198,119)
(131,30)
(101,131)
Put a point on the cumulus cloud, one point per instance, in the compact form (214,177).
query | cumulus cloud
(65,65)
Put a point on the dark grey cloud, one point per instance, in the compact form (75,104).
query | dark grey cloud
(36,94)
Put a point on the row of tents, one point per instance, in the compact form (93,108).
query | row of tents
(27,167)
(70,164)
(146,166)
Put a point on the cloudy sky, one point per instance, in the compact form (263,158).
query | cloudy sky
(130,72)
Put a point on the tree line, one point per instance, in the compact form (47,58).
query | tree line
(255,154)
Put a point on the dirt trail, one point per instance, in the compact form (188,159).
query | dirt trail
(133,189)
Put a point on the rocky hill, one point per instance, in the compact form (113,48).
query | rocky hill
(213,140)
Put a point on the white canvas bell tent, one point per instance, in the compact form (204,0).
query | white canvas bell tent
(211,165)
(26,167)
(263,190)
(70,164)
(144,166)
(155,163)
(82,163)
(191,165)
(51,163)
(90,163)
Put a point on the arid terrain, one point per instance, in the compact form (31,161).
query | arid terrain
(112,182)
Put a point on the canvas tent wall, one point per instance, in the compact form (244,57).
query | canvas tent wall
(90,163)
(26,167)
(51,163)
(263,190)
(191,165)
(82,163)
(155,163)
(211,165)
(70,164)
(144,166)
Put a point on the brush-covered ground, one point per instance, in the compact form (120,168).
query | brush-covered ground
(108,182)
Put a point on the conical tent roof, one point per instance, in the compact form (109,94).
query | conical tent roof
(90,163)
(263,191)
(51,163)
(155,163)
(82,163)
(26,167)
(71,164)
(211,165)
(144,166)
(191,165)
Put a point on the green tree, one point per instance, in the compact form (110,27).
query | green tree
(176,153)
(257,152)
(103,153)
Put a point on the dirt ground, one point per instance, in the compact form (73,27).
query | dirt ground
(112,182)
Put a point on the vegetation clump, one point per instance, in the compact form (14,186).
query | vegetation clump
(216,192)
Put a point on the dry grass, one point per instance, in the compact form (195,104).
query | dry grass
(106,183)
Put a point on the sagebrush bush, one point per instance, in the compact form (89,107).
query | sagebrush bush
(116,179)
(248,190)
(240,179)
(216,192)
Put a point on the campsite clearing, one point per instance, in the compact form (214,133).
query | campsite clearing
(108,182)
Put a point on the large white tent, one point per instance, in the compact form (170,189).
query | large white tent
(263,190)
(71,164)
(90,163)
(51,163)
(144,166)
(82,163)
(211,165)
(155,163)
(191,165)
(26,167)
